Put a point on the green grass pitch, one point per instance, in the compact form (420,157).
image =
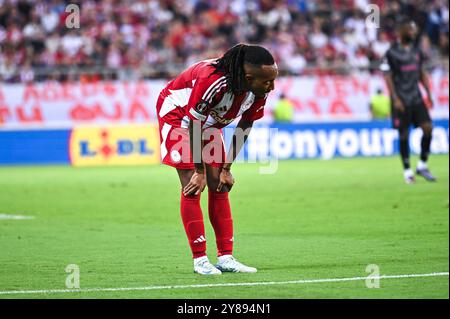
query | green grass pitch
(312,219)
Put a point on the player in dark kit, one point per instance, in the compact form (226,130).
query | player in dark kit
(191,111)
(403,67)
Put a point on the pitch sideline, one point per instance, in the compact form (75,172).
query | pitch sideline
(14,217)
(267,283)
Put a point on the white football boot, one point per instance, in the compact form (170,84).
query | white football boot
(408,175)
(202,266)
(227,263)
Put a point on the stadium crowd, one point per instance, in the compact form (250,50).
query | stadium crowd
(129,39)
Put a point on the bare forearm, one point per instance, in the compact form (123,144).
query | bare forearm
(390,85)
(425,81)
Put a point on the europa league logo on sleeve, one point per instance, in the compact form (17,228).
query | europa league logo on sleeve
(201,106)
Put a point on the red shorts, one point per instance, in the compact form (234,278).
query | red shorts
(175,146)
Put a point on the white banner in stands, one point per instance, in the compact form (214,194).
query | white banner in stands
(326,98)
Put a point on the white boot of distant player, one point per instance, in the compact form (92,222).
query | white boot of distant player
(422,170)
(227,263)
(421,165)
(408,175)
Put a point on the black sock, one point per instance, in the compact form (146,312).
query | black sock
(404,152)
(425,147)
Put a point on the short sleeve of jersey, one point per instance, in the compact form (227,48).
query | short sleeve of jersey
(256,111)
(202,96)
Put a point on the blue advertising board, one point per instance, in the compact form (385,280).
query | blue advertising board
(330,140)
(34,147)
(283,141)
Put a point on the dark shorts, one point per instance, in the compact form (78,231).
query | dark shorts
(414,114)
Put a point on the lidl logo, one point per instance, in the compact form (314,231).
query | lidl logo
(121,145)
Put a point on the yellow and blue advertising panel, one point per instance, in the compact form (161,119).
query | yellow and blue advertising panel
(139,144)
(114,145)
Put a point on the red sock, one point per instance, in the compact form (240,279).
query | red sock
(220,216)
(191,214)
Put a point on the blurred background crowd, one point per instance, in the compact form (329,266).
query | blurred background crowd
(124,39)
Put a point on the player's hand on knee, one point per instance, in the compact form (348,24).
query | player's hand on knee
(226,181)
(196,185)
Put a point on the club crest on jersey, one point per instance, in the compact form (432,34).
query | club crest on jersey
(248,102)
(201,106)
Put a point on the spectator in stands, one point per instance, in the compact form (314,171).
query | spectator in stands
(380,105)
(283,110)
(157,38)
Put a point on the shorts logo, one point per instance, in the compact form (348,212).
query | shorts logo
(175,156)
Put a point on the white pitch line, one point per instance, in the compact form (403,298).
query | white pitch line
(16,217)
(264,283)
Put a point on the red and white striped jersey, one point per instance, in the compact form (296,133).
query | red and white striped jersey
(198,94)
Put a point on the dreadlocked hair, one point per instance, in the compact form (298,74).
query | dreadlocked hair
(232,64)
